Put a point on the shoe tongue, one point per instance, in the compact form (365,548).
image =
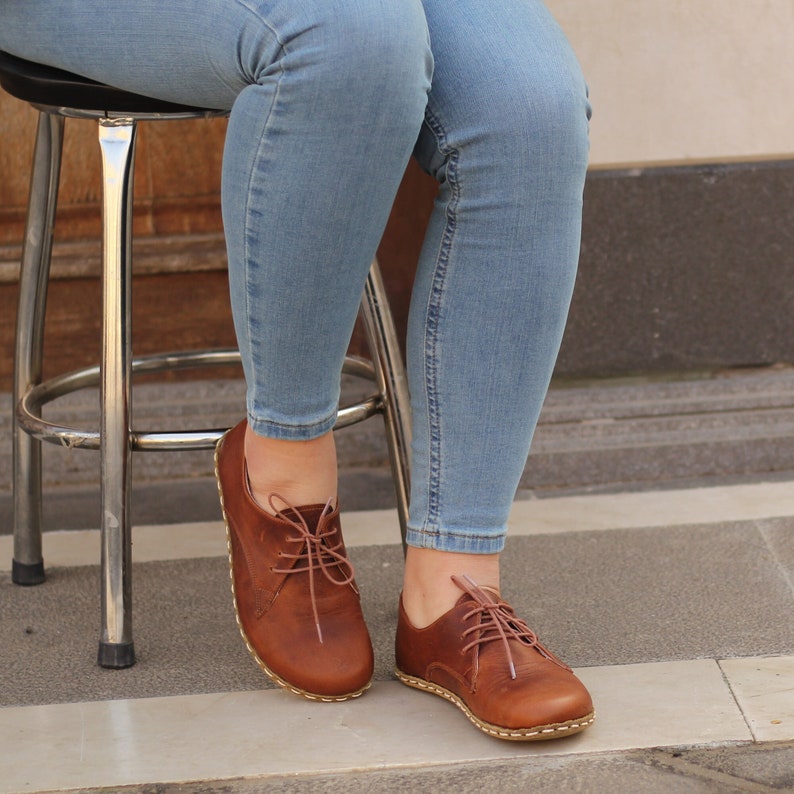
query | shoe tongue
(311,515)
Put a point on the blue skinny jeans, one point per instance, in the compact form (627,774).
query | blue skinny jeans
(328,100)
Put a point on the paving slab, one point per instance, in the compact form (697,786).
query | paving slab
(764,690)
(677,592)
(273,734)
(596,598)
(733,769)
(768,766)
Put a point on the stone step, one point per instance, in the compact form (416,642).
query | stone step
(642,432)
(598,435)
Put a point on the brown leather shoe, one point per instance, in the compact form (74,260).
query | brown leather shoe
(490,664)
(295,597)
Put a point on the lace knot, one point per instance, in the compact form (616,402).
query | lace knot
(498,622)
(319,550)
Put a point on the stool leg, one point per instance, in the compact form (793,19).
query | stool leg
(28,564)
(117,142)
(392,384)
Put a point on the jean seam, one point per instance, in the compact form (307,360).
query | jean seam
(255,160)
(432,338)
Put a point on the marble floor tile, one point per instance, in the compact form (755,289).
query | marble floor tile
(269,733)
(661,704)
(764,690)
(653,508)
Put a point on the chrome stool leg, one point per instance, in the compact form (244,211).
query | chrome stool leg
(28,563)
(117,142)
(392,384)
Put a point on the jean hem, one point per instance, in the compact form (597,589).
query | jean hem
(285,431)
(459,542)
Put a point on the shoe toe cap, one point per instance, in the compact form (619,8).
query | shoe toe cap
(535,702)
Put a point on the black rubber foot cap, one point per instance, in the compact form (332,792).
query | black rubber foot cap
(116,655)
(24,574)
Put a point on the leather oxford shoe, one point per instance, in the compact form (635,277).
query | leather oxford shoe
(295,596)
(490,664)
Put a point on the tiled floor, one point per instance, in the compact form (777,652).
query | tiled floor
(684,691)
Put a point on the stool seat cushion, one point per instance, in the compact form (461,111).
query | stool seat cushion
(45,85)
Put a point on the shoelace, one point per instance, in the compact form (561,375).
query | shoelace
(314,550)
(498,621)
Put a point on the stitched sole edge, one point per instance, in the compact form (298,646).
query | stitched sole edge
(537,733)
(270,674)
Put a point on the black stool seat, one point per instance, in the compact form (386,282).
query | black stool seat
(45,85)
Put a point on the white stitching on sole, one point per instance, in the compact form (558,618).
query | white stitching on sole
(538,733)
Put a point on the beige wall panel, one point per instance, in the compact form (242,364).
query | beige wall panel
(682,81)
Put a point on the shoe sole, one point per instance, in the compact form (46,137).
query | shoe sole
(273,676)
(536,733)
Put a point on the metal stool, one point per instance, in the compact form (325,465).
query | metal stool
(56,95)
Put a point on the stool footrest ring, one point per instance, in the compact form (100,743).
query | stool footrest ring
(29,407)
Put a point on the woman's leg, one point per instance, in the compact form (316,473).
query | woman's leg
(326,99)
(506,136)
(323,176)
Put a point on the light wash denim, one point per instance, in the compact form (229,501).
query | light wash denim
(328,100)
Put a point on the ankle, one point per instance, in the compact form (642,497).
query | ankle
(300,472)
(428,589)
